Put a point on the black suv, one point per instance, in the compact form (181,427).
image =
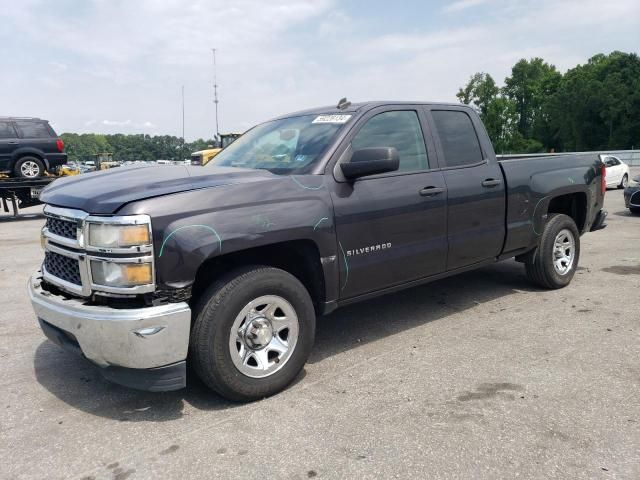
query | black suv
(29,147)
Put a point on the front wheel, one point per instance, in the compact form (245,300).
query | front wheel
(624,182)
(554,263)
(252,334)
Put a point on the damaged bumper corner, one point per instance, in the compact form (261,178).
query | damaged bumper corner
(143,348)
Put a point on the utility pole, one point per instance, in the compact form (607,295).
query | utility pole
(215,92)
(182,148)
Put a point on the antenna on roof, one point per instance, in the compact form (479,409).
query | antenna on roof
(215,92)
(343,103)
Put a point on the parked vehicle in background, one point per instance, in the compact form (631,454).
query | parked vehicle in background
(202,157)
(632,196)
(29,147)
(104,161)
(226,266)
(22,192)
(617,172)
(69,169)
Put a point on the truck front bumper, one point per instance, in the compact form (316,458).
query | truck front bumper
(143,348)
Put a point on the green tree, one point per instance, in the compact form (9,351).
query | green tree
(498,113)
(594,106)
(597,105)
(83,147)
(530,84)
(479,91)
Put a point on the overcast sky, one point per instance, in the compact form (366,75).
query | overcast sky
(118,65)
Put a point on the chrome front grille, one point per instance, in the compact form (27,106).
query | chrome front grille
(68,257)
(62,228)
(64,268)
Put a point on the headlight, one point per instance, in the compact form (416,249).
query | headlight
(113,274)
(109,235)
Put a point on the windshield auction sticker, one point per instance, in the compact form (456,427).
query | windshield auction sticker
(332,119)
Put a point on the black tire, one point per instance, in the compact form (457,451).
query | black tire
(624,182)
(634,210)
(215,314)
(540,269)
(35,164)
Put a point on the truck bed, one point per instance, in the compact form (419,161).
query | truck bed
(533,179)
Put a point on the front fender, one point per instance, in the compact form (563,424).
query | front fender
(190,228)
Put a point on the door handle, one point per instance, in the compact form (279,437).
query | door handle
(431,191)
(491,182)
(12,143)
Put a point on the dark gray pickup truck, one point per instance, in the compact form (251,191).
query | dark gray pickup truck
(226,266)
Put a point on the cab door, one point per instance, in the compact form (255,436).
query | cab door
(391,228)
(475,186)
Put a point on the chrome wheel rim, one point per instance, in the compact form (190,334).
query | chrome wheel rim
(564,248)
(30,169)
(625,181)
(263,336)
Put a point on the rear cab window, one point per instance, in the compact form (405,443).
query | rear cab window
(33,129)
(458,138)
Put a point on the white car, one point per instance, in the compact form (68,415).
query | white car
(617,172)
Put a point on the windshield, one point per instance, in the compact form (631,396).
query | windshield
(286,146)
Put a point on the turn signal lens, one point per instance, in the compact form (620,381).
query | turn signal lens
(137,274)
(113,274)
(134,235)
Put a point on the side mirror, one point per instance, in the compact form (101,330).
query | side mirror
(370,161)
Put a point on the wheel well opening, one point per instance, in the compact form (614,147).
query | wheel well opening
(29,154)
(574,205)
(300,258)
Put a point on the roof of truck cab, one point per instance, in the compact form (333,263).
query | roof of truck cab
(23,118)
(362,106)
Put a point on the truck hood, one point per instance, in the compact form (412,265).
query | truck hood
(107,191)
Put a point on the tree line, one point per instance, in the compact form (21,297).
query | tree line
(595,106)
(83,147)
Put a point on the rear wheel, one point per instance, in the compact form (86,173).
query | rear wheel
(556,259)
(624,182)
(28,167)
(253,332)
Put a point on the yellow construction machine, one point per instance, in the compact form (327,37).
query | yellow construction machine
(202,157)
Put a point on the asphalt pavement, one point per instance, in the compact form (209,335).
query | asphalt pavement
(477,376)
